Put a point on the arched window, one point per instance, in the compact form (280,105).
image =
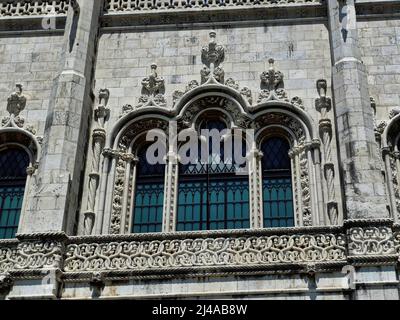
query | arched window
(13,165)
(149,195)
(212,196)
(277,183)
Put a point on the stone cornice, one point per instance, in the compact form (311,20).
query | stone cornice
(219,15)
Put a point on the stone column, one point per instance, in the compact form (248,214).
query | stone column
(256,189)
(101,114)
(171,192)
(53,202)
(363,184)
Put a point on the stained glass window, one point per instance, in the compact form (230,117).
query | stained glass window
(149,195)
(211,195)
(13,165)
(277,184)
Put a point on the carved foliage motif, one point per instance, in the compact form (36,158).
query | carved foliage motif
(153,89)
(31,255)
(371,241)
(205,252)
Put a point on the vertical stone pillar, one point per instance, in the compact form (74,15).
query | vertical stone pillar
(171,192)
(53,203)
(101,114)
(363,185)
(256,189)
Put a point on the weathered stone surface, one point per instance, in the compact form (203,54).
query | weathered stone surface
(78,103)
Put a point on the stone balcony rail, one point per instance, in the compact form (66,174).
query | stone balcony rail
(116,6)
(303,249)
(18,8)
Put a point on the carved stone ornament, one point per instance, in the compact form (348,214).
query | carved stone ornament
(6,282)
(153,89)
(323,104)
(205,252)
(394,112)
(371,241)
(16,103)
(272,86)
(212,56)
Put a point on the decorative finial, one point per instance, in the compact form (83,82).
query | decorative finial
(272,79)
(213,54)
(153,89)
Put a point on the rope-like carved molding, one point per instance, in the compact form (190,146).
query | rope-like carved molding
(33,8)
(205,252)
(116,6)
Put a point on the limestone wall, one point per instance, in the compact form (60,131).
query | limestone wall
(301,53)
(32,61)
(380,45)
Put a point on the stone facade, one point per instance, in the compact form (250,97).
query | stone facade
(82,81)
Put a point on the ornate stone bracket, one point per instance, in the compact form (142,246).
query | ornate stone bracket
(323,105)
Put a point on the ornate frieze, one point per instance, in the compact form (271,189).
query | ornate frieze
(371,240)
(367,241)
(205,252)
(31,254)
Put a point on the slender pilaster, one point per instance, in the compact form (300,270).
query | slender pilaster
(363,185)
(53,202)
(256,189)
(101,114)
